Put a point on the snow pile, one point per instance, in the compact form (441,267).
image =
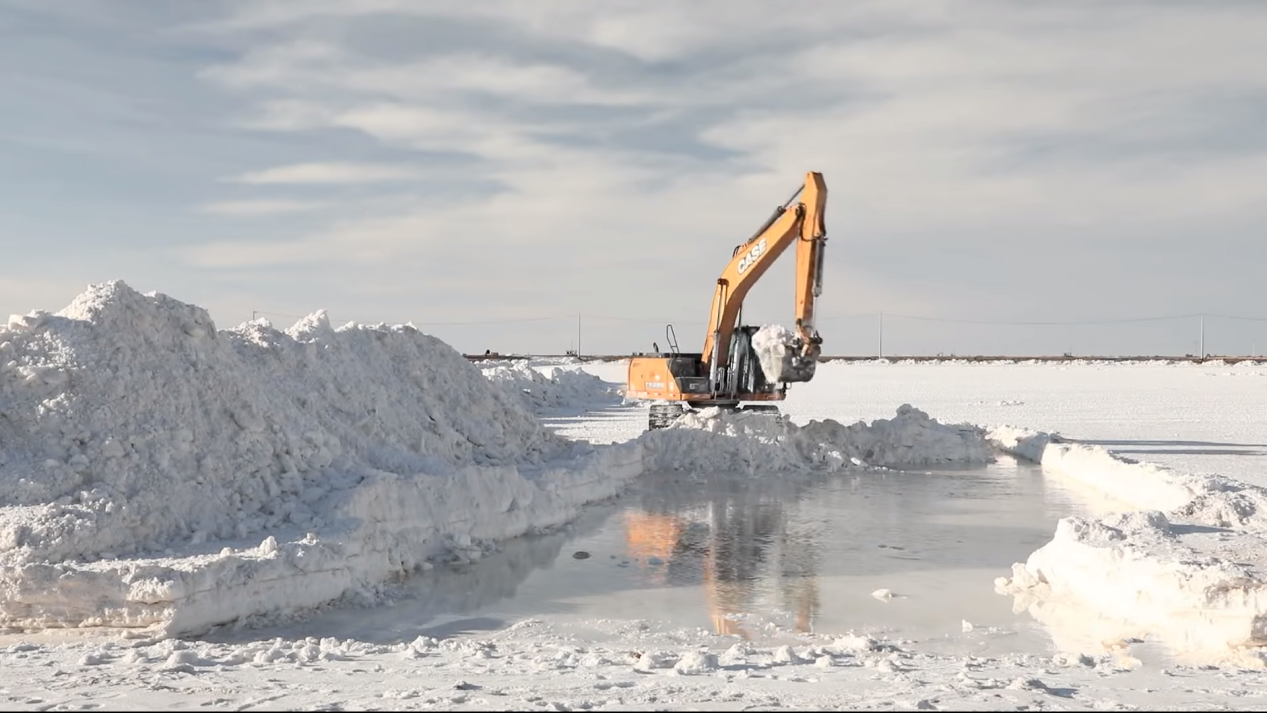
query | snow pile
(717,440)
(1150,570)
(553,388)
(777,350)
(130,426)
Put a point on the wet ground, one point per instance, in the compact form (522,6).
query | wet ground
(762,557)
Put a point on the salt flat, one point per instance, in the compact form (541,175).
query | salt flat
(1196,418)
(1192,417)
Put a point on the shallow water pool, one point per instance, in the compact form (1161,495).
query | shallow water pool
(762,557)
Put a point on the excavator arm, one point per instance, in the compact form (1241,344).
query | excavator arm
(799,221)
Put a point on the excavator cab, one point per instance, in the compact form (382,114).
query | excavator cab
(679,380)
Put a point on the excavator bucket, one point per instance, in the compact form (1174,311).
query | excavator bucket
(797,368)
(783,356)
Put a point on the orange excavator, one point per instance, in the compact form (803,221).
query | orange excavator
(746,363)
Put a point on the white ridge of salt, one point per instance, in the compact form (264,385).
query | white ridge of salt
(1131,568)
(1212,500)
(714,439)
(1134,568)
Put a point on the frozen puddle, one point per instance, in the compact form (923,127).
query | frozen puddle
(761,558)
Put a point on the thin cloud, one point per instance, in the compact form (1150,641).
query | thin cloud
(978,154)
(244,254)
(934,130)
(320,70)
(329,173)
(256,208)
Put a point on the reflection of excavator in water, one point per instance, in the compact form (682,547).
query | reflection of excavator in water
(737,543)
(732,368)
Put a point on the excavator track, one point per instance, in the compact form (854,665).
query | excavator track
(662,414)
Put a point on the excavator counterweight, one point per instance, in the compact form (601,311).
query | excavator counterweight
(741,363)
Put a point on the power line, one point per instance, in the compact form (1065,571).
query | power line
(846,316)
(1232,316)
(496,321)
(437,324)
(1124,320)
(820,320)
(663,321)
(635,319)
(951,320)
(1040,323)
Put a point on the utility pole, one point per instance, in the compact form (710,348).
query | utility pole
(578,334)
(1203,336)
(879,349)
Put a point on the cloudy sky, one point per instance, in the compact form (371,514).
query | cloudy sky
(488,170)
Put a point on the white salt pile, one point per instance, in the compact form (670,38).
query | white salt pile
(716,440)
(130,426)
(549,389)
(130,421)
(156,472)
